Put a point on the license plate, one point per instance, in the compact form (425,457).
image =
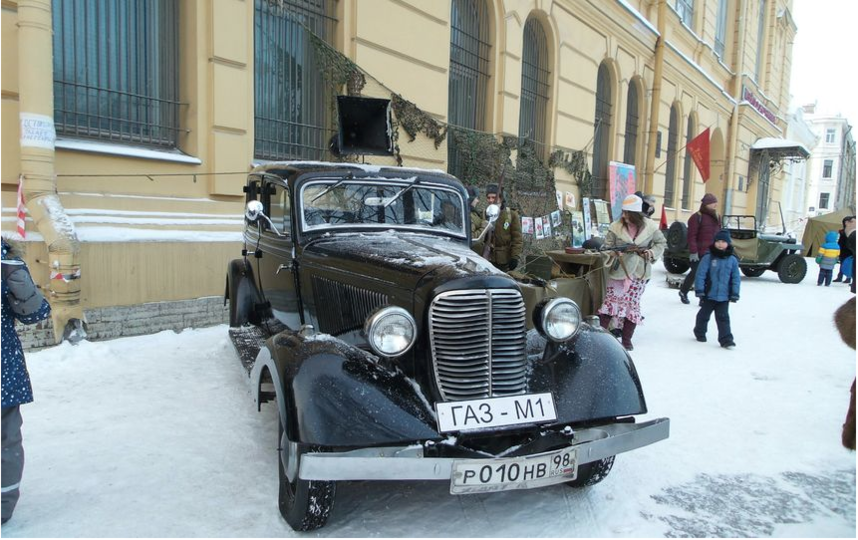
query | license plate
(495,412)
(485,475)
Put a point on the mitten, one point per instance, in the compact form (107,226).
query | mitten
(25,299)
(513,263)
(694,257)
(734,299)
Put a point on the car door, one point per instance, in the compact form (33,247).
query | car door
(275,268)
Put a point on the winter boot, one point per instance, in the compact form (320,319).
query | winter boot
(683,297)
(628,332)
(604,320)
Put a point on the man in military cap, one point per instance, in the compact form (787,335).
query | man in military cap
(504,244)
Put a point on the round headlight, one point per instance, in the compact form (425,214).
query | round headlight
(391,331)
(560,319)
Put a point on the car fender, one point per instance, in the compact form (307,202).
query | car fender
(242,293)
(592,377)
(330,393)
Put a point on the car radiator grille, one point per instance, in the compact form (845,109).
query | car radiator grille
(343,308)
(478,343)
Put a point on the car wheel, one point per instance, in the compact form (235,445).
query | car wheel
(792,268)
(675,266)
(592,473)
(304,504)
(753,272)
(677,236)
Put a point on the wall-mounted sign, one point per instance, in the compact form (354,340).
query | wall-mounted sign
(749,96)
(37,130)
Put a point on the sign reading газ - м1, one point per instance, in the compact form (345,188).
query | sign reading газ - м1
(749,96)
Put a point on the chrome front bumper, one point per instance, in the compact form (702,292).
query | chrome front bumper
(408,463)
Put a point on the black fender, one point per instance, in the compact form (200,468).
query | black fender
(592,377)
(332,394)
(242,293)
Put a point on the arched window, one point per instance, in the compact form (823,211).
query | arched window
(470,50)
(290,97)
(688,166)
(602,132)
(632,125)
(535,86)
(670,172)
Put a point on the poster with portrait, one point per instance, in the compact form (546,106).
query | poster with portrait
(526,225)
(570,201)
(537,226)
(546,226)
(621,182)
(588,222)
(577,228)
(556,219)
(559,196)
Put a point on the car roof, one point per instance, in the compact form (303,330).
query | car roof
(289,168)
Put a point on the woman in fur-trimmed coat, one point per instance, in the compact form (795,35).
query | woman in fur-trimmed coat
(22,301)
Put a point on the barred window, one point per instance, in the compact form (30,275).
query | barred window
(670,172)
(602,132)
(469,73)
(688,166)
(291,112)
(535,86)
(632,125)
(116,66)
(721,28)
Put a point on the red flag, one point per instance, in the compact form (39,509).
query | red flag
(22,231)
(699,150)
(663,223)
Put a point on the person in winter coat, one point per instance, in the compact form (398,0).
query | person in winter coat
(21,301)
(631,269)
(717,284)
(845,250)
(702,226)
(826,258)
(504,243)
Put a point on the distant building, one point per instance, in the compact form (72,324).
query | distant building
(832,174)
(794,199)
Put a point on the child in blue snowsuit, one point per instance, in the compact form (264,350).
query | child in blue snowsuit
(717,284)
(827,257)
(24,302)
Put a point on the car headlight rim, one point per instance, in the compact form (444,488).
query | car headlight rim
(389,319)
(560,330)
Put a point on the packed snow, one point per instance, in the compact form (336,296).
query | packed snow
(158,436)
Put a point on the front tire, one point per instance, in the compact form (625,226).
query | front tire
(753,272)
(792,268)
(592,473)
(304,504)
(675,266)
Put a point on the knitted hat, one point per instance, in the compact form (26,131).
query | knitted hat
(632,203)
(709,199)
(724,235)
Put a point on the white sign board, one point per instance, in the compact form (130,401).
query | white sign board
(37,130)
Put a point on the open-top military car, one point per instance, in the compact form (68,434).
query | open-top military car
(394,352)
(756,251)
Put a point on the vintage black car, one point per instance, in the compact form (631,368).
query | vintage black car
(392,351)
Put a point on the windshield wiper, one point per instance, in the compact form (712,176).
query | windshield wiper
(401,192)
(333,186)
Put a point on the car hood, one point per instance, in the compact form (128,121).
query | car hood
(396,256)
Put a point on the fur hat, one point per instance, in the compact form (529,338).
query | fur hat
(724,235)
(632,203)
(709,199)
(492,189)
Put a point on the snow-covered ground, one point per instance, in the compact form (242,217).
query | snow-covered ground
(158,436)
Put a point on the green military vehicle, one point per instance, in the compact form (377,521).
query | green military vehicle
(756,251)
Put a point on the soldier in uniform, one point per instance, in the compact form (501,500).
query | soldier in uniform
(504,244)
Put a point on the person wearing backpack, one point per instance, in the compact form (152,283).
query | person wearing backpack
(702,226)
(717,284)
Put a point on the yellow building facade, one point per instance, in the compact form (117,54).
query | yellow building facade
(147,189)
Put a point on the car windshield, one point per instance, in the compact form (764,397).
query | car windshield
(411,203)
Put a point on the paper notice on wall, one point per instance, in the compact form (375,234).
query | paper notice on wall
(37,130)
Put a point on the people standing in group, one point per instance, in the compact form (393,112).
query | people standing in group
(641,243)
(827,257)
(717,285)
(845,251)
(24,302)
(702,227)
(504,243)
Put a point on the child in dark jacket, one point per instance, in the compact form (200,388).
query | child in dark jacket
(717,284)
(827,258)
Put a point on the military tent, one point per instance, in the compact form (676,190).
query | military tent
(814,231)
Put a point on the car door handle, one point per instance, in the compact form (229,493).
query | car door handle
(283,267)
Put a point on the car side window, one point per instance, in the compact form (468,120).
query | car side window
(280,208)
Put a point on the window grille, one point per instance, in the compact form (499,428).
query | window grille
(291,100)
(470,50)
(601,132)
(721,28)
(535,86)
(116,66)
(670,172)
(688,169)
(632,125)
(685,9)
